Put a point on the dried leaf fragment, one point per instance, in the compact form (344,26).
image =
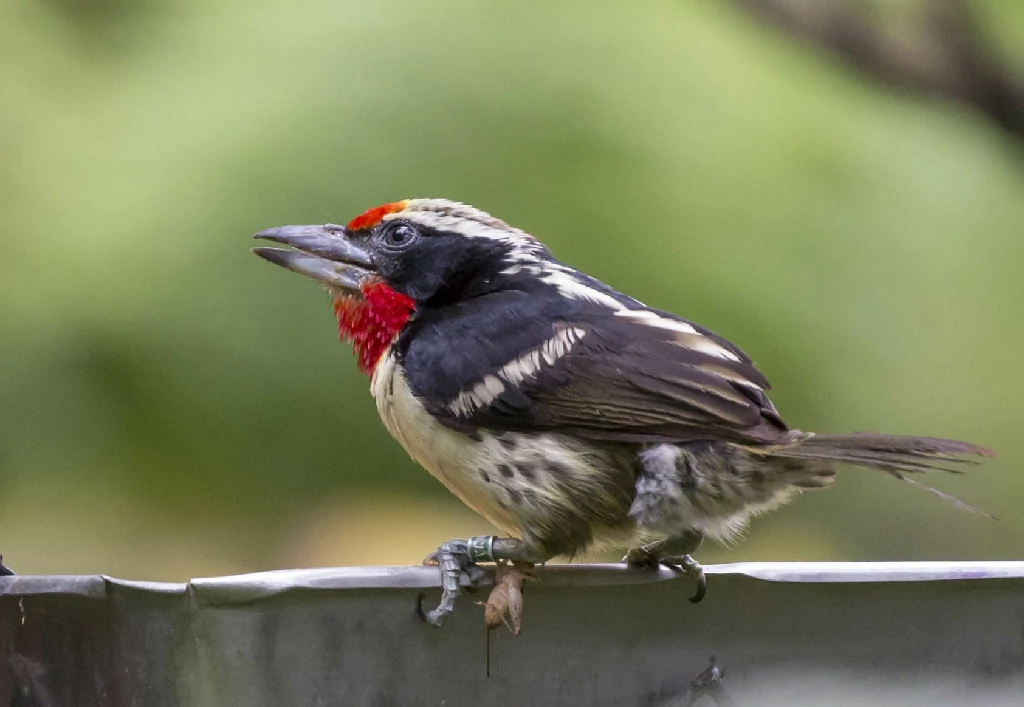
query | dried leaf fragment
(505,603)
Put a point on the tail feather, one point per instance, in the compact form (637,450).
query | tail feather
(896,455)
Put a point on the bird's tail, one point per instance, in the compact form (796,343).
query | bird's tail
(896,455)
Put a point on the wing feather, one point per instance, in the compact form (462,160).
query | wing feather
(645,377)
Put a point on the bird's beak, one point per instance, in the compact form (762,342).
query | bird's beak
(324,253)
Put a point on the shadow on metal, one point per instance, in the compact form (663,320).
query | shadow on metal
(781,633)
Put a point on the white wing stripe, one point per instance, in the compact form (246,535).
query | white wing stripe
(515,372)
(688,335)
(645,316)
(570,287)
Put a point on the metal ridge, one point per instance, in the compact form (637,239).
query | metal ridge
(263,584)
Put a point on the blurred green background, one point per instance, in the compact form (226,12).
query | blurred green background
(171,406)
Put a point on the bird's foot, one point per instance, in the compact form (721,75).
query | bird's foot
(649,557)
(456,557)
(643,557)
(691,567)
(453,559)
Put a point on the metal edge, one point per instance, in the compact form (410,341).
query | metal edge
(918,571)
(89,586)
(250,587)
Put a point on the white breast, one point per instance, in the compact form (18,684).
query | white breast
(523,483)
(455,459)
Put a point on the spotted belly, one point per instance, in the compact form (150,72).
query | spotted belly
(556,492)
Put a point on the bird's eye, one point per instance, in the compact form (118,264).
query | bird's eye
(398,235)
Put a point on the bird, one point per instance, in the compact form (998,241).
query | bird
(566,413)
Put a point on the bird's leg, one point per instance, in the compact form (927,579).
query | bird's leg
(675,553)
(457,556)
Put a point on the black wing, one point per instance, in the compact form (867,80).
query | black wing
(526,362)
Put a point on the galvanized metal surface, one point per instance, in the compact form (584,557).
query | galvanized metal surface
(783,634)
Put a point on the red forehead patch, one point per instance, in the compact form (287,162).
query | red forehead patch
(371,217)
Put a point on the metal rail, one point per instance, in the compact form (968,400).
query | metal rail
(945,633)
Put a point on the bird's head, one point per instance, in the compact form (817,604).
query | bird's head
(395,260)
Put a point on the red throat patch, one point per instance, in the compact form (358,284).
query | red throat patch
(372,322)
(371,217)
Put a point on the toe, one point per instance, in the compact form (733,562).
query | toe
(477,576)
(702,589)
(435,617)
(640,558)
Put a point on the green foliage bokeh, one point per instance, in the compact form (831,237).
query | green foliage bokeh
(171,405)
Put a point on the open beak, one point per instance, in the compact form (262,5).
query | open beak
(323,253)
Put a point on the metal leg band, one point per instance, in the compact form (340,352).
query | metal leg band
(480,548)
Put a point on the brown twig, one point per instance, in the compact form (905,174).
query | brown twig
(948,56)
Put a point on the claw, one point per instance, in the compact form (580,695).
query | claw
(435,617)
(452,559)
(691,567)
